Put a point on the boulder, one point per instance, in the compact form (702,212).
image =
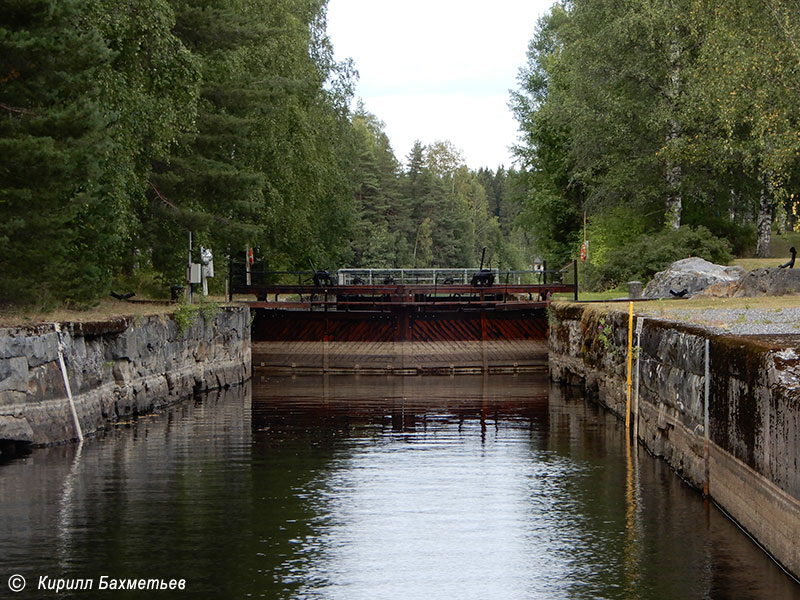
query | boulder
(693,275)
(768,282)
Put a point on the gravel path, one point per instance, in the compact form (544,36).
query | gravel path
(737,321)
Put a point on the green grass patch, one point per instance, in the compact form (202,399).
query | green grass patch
(761,263)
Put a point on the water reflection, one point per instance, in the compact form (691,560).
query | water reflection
(376,487)
(155,498)
(450,487)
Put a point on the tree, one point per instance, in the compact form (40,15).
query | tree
(376,174)
(56,228)
(270,164)
(744,98)
(442,159)
(149,90)
(554,199)
(671,112)
(423,245)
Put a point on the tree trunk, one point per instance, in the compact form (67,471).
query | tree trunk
(674,197)
(764,219)
(780,218)
(674,203)
(734,202)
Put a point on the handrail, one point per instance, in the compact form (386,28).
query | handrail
(416,276)
(260,279)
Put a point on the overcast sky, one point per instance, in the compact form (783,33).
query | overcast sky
(439,69)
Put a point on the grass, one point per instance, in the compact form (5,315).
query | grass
(761,263)
(665,305)
(779,244)
(105,309)
(594,296)
(779,247)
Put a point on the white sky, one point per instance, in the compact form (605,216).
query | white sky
(439,69)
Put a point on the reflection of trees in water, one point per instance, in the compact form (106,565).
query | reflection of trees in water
(244,495)
(334,407)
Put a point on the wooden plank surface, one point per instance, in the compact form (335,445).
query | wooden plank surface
(388,357)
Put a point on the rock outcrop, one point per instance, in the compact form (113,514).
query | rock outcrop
(768,282)
(693,275)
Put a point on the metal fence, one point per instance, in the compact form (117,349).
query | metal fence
(240,276)
(440,276)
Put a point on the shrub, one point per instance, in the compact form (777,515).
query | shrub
(650,253)
(184,315)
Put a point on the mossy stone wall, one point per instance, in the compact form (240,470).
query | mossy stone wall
(754,409)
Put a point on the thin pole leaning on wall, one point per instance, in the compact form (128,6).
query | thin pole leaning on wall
(63,366)
(706,422)
(229,282)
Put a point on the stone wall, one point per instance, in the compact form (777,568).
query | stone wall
(116,368)
(754,410)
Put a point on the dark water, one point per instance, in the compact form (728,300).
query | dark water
(374,487)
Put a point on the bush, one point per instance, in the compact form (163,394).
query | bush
(147,283)
(742,238)
(650,253)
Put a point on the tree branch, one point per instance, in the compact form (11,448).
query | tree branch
(163,198)
(178,209)
(783,29)
(18,110)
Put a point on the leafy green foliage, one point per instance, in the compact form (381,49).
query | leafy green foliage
(89,91)
(56,228)
(184,316)
(680,112)
(643,257)
(208,311)
(127,125)
(434,213)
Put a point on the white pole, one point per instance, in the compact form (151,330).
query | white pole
(75,420)
(189,272)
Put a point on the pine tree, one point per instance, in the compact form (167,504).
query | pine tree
(376,173)
(56,228)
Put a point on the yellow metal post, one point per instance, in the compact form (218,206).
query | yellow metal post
(630,367)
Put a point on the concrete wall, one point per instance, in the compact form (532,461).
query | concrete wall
(754,410)
(116,368)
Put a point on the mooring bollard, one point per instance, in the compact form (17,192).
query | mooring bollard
(634,289)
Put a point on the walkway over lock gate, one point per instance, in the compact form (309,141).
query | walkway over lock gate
(399,321)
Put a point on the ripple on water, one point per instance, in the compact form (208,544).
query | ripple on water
(347,487)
